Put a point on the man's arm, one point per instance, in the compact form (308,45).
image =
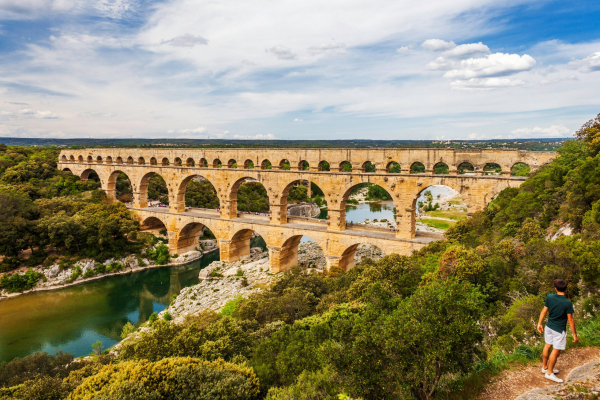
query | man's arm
(572,325)
(542,315)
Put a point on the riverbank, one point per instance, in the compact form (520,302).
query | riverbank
(56,279)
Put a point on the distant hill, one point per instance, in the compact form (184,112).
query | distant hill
(524,144)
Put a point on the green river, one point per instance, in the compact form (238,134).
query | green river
(73,318)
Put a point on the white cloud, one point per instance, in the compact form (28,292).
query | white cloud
(405,49)
(559,79)
(498,64)
(256,137)
(200,129)
(281,52)
(29,113)
(485,83)
(115,8)
(298,119)
(589,64)
(327,48)
(437,44)
(187,40)
(555,131)
(476,136)
(467,50)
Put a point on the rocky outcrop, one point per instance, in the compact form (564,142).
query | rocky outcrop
(221,282)
(307,210)
(582,383)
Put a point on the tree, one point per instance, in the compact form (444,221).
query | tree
(590,134)
(401,349)
(17,232)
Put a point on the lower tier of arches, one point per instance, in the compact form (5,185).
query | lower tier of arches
(233,238)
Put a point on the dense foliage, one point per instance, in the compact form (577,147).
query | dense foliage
(405,327)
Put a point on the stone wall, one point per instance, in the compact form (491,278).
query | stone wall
(309,210)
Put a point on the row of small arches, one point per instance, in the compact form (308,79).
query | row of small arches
(518,169)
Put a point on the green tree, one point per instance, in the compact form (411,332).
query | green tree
(590,134)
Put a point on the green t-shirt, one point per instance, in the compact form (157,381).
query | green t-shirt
(558,308)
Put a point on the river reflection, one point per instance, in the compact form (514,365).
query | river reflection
(72,319)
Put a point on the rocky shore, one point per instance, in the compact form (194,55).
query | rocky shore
(221,282)
(59,276)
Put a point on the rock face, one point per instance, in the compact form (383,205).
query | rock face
(308,210)
(582,383)
(221,282)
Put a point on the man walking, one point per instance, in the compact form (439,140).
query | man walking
(560,312)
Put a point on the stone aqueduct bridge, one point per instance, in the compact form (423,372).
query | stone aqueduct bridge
(282,234)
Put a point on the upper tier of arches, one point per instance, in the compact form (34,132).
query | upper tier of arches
(478,163)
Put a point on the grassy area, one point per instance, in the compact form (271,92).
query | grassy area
(436,223)
(455,215)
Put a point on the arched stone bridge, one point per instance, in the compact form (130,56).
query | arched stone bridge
(283,234)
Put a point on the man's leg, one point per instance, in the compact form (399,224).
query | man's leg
(545,355)
(552,360)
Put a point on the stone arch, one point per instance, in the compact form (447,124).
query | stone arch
(109,160)
(152,223)
(285,164)
(368,167)
(417,167)
(345,166)
(303,166)
(393,168)
(383,193)
(164,162)
(141,161)
(232,163)
(203,163)
(520,169)
(80,159)
(63,158)
(238,246)
(248,164)
(67,169)
(466,167)
(130,160)
(72,158)
(217,163)
(492,169)
(348,259)
(441,168)
(89,174)
(119,160)
(188,238)
(153,161)
(90,159)
(99,160)
(180,198)
(287,255)
(177,162)
(143,188)
(190,162)
(266,164)
(300,191)
(256,204)
(113,189)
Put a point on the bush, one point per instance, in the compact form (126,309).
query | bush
(128,329)
(20,282)
(232,305)
(167,316)
(153,317)
(9,263)
(160,254)
(173,378)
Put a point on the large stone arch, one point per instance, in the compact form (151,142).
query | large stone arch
(142,198)
(111,184)
(346,259)
(179,195)
(228,197)
(237,246)
(152,222)
(188,237)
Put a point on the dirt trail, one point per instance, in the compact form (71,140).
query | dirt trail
(512,383)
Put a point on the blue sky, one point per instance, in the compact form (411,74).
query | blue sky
(465,69)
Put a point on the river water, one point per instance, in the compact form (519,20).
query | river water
(73,318)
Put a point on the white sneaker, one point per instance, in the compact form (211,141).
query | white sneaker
(553,377)
(545,370)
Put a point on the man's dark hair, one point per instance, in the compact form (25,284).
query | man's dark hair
(560,285)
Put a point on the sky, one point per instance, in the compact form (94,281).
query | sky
(258,69)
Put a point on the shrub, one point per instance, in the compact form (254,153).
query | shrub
(128,329)
(97,347)
(160,254)
(100,268)
(153,317)
(232,305)
(9,263)
(89,273)
(167,316)
(173,378)
(20,282)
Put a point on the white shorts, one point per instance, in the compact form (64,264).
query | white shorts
(556,339)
